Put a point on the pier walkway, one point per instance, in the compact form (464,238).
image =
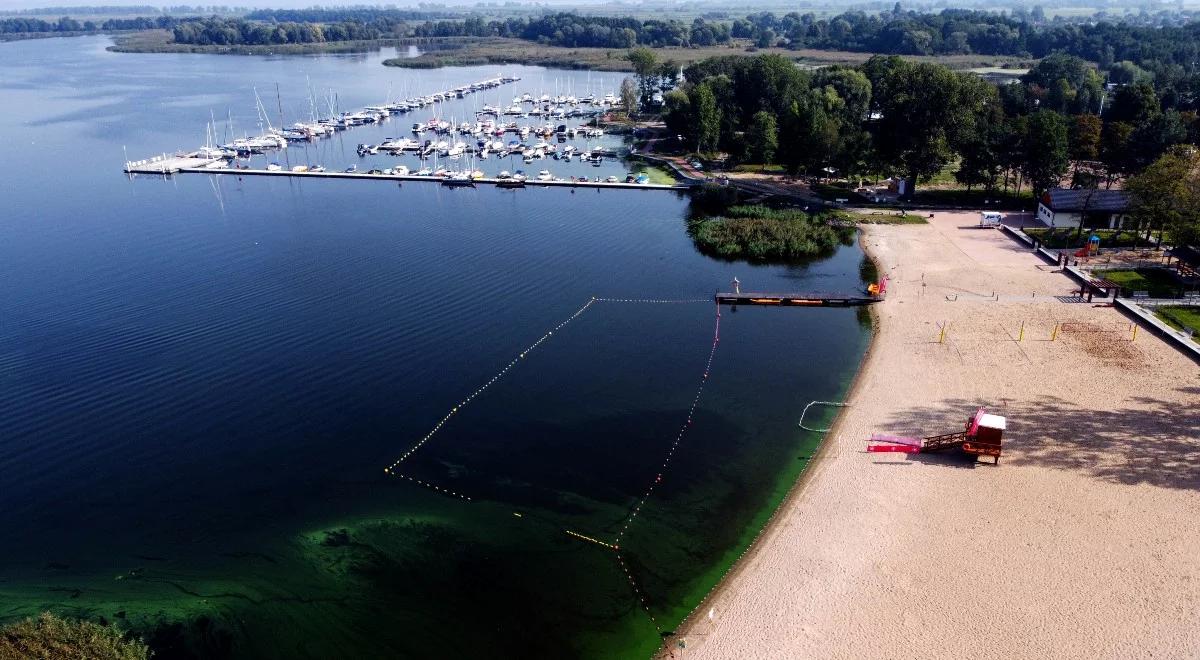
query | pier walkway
(797,299)
(403,178)
(529,183)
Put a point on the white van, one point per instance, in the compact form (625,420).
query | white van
(989,219)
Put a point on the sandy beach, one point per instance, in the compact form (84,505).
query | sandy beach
(1084,542)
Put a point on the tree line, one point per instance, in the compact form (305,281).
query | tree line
(68,24)
(575,31)
(960,31)
(1170,50)
(238,32)
(892,116)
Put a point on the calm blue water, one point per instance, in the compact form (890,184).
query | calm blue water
(203,378)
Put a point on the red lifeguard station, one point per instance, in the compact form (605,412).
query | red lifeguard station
(982,436)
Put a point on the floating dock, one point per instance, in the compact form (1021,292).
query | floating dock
(405,178)
(797,299)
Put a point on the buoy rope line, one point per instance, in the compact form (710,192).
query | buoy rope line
(687,423)
(655,300)
(615,547)
(823,403)
(637,591)
(454,410)
(393,469)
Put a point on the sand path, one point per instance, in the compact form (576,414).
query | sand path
(1083,543)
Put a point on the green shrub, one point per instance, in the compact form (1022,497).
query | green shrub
(764,234)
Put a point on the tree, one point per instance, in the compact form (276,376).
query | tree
(1118,151)
(1127,73)
(762,137)
(707,117)
(1085,138)
(926,111)
(981,148)
(852,86)
(629,96)
(645,66)
(1134,104)
(809,133)
(1045,158)
(1166,195)
(677,113)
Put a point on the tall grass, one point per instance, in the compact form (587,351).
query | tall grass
(51,638)
(765,234)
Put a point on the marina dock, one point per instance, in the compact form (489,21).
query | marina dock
(405,178)
(797,299)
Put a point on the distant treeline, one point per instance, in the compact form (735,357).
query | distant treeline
(957,31)
(126,10)
(557,29)
(574,31)
(339,14)
(1160,44)
(240,32)
(67,24)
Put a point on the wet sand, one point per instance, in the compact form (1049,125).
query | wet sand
(1081,543)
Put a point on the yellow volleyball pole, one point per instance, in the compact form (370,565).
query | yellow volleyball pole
(1054,333)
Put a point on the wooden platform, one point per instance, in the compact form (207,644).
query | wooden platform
(797,299)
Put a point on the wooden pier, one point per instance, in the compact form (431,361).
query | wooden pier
(797,299)
(403,178)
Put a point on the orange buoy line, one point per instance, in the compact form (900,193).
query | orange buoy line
(637,508)
(615,545)
(392,470)
(637,591)
(454,410)
(588,538)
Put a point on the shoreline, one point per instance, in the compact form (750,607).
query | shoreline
(1087,513)
(816,465)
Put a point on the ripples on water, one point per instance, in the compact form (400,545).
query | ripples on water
(203,379)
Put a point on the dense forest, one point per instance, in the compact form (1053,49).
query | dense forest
(909,119)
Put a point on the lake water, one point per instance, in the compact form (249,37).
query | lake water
(203,379)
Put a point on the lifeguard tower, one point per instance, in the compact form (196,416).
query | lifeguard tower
(982,436)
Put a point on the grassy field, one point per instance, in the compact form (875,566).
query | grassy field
(1158,282)
(753,168)
(1180,318)
(835,191)
(474,51)
(658,175)
(887,218)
